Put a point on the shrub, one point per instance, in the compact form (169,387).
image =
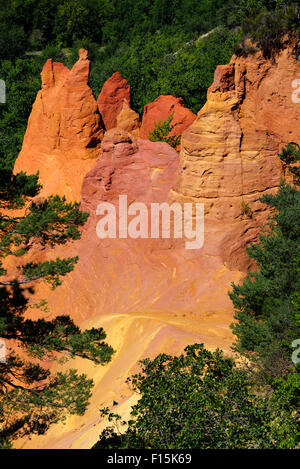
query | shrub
(162,130)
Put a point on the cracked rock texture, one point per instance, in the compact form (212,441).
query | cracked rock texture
(128,119)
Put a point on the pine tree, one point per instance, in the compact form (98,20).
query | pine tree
(162,130)
(199,399)
(265,304)
(31,397)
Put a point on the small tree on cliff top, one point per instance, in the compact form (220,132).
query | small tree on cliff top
(30,396)
(162,130)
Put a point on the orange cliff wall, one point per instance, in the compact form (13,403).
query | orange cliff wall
(162,108)
(155,296)
(150,295)
(114,105)
(114,92)
(229,153)
(64,131)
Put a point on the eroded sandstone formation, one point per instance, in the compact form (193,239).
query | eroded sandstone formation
(150,295)
(128,119)
(161,109)
(111,99)
(64,130)
(153,295)
(229,154)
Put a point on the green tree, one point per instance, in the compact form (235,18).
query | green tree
(78,19)
(12,40)
(31,397)
(162,131)
(290,157)
(268,25)
(266,302)
(22,79)
(204,400)
(199,399)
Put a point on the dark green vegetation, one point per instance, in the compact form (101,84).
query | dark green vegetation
(162,130)
(204,400)
(156,46)
(199,400)
(31,398)
(267,313)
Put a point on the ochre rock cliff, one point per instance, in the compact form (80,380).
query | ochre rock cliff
(161,109)
(133,275)
(153,295)
(64,130)
(150,295)
(229,154)
(128,119)
(111,99)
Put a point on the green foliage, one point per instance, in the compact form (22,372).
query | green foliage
(12,41)
(32,24)
(267,26)
(266,303)
(51,271)
(31,398)
(53,52)
(290,156)
(265,325)
(287,390)
(48,223)
(158,48)
(245,209)
(52,221)
(22,79)
(204,400)
(200,400)
(73,21)
(162,130)
(155,45)
(15,188)
(92,47)
(166,62)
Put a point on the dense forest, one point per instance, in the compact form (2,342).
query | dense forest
(160,47)
(155,45)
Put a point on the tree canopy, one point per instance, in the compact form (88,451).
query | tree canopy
(199,399)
